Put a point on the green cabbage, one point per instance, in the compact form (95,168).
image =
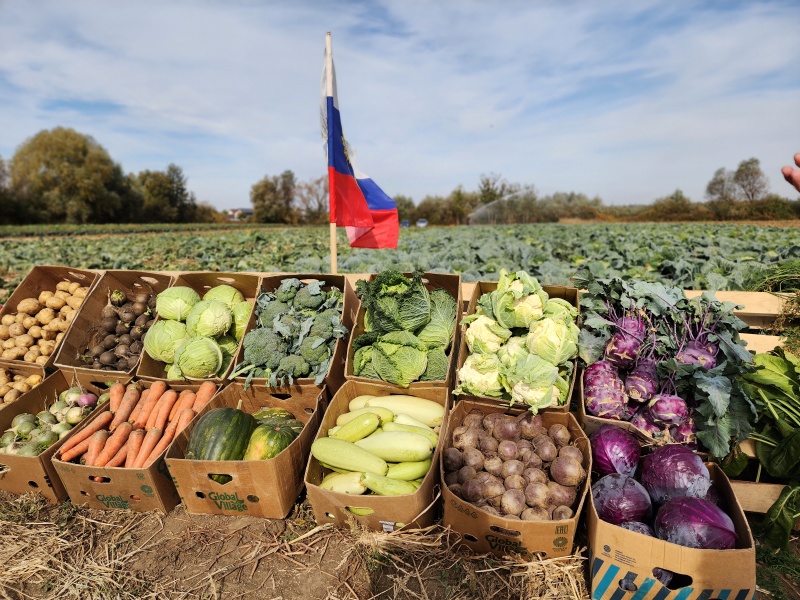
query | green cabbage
(175,303)
(173,372)
(199,358)
(163,338)
(399,357)
(556,307)
(480,375)
(209,318)
(439,330)
(484,335)
(227,294)
(241,318)
(436,369)
(393,302)
(362,363)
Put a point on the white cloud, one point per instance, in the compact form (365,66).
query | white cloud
(625,103)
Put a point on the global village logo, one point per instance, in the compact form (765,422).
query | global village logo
(228,501)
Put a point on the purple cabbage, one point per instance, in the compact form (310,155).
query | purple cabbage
(614,450)
(642,420)
(619,498)
(642,382)
(673,471)
(638,527)
(697,353)
(695,523)
(667,410)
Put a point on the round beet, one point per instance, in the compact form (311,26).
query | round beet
(533,475)
(474,458)
(562,494)
(535,513)
(452,459)
(493,465)
(512,467)
(450,478)
(466,473)
(507,450)
(559,434)
(537,494)
(513,502)
(567,471)
(572,452)
(547,451)
(561,513)
(474,419)
(487,443)
(516,482)
(506,429)
(472,490)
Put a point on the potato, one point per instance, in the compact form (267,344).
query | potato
(29,306)
(8,344)
(55,302)
(12,353)
(19,377)
(45,315)
(29,322)
(63,286)
(17,329)
(42,360)
(35,331)
(4,389)
(8,320)
(69,316)
(4,334)
(75,302)
(37,352)
(48,334)
(81,292)
(24,341)
(11,396)
(30,356)
(62,294)
(33,380)
(22,387)
(73,286)
(20,317)
(47,348)
(4,380)
(60,336)
(66,309)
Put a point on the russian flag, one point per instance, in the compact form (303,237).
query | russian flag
(356,202)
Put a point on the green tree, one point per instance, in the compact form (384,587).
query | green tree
(751,180)
(61,175)
(272,199)
(432,208)
(721,187)
(461,204)
(313,200)
(405,208)
(493,187)
(166,198)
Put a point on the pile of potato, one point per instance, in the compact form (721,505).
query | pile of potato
(35,329)
(12,386)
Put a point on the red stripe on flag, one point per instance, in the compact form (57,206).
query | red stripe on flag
(383,235)
(348,205)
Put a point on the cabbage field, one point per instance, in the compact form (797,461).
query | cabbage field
(691,256)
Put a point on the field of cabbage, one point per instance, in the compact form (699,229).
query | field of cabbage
(699,256)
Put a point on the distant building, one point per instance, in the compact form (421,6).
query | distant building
(239,214)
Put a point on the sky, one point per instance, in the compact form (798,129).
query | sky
(625,101)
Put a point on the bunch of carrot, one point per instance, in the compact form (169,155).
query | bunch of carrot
(138,427)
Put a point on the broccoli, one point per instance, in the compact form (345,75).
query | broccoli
(314,350)
(288,325)
(310,297)
(324,322)
(293,366)
(271,310)
(264,348)
(287,290)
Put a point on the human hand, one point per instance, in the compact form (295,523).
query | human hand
(793,175)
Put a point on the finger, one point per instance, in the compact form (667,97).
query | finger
(797,159)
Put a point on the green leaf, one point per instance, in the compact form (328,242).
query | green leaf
(776,528)
(785,459)
(735,462)
(718,391)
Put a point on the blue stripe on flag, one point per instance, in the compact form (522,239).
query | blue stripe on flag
(643,589)
(376,198)
(337,158)
(610,576)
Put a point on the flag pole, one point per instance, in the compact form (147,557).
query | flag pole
(329,88)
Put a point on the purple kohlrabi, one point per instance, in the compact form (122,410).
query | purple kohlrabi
(697,353)
(622,349)
(641,419)
(642,382)
(666,409)
(601,373)
(607,402)
(685,433)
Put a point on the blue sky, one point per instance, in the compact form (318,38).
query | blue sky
(627,101)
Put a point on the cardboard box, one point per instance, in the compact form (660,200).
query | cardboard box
(258,488)
(570,294)
(22,474)
(22,369)
(86,333)
(617,555)
(483,532)
(385,513)
(451,283)
(150,369)
(335,377)
(41,279)
(145,489)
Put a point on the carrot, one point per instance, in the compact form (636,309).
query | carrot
(113,444)
(168,400)
(158,388)
(148,443)
(205,392)
(115,394)
(186,402)
(96,444)
(84,434)
(129,400)
(138,409)
(178,404)
(76,450)
(170,432)
(144,415)
(134,444)
(119,458)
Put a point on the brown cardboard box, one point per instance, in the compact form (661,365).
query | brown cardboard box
(335,377)
(570,294)
(145,489)
(591,423)
(451,283)
(385,513)
(41,279)
(483,532)
(150,369)
(21,474)
(22,369)
(617,554)
(258,488)
(85,332)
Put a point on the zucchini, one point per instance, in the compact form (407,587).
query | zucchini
(427,411)
(347,456)
(344,483)
(359,401)
(426,431)
(383,486)
(409,471)
(358,428)
(384,414)
(396,446)
(404,419)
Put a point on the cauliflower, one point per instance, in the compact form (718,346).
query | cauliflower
(485,335)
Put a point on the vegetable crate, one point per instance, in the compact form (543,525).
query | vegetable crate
(483,532)
(451,283)
(114,488)
(30,373)
(45,280)
(377,513)
(151,369)
(87,331)
(335,374)
(23,474)
(260,488)
(570,294)
(621,562)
